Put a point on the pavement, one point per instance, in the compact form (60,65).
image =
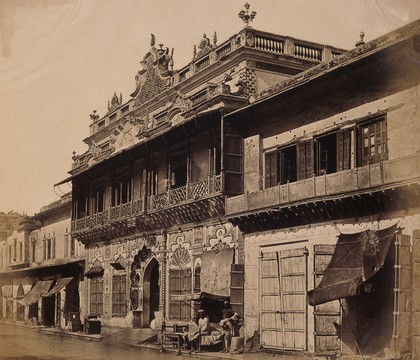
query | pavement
(148,338)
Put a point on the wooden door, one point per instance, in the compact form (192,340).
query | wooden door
(326,336)
(283,299)
(402,314)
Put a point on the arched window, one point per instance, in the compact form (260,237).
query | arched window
(197,277)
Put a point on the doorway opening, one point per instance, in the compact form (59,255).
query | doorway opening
(48,310)
(20,311)
(150,292)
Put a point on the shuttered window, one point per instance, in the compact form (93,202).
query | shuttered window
(96,295)
(280,166)
(179,284)
(326,154)
(233,161)
(119,295)
(344,149)
(271,169)
(305,156)
(372,142)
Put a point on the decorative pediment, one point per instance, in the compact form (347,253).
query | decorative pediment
(154,77)
(204,46)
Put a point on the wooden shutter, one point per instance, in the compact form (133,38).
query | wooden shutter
(326,337)
(271,169)
(305,156)
(233,162)
(180,283)
(343,149)
(237,288)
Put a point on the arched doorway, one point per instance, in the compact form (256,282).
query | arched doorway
(150,292)
(20,311)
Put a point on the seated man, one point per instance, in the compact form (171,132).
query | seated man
(203,329)
(230,319)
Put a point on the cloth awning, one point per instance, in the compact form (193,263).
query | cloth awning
(199,296)
(59,284)
(94,271)
(357,257)
(33,295)
(215,271)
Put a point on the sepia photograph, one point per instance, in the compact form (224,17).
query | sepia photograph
(210,179)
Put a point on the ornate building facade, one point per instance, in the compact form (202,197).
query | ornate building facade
(149,193)
(330,207)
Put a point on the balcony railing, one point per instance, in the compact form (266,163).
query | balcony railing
(380,175)
(188,192)
(114,213)
(172,197)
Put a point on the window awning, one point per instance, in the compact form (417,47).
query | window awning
(215,271)
(357,257)
(60,283)
(117,265)
(94,271)
(199,296)
(33,295)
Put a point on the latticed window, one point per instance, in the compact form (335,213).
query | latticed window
(119,295)
(96,295)
(179,284)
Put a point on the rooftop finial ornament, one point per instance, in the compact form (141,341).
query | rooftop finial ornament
(246,16)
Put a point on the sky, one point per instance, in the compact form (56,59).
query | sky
(62,59)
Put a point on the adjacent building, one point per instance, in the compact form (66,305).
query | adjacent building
(329,160)
(42,269)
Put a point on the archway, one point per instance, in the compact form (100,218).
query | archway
(20,311)
(150,292)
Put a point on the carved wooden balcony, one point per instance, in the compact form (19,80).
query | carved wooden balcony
(122,211)
(191,191)
(366,179)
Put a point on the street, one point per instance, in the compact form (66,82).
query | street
(29,344)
